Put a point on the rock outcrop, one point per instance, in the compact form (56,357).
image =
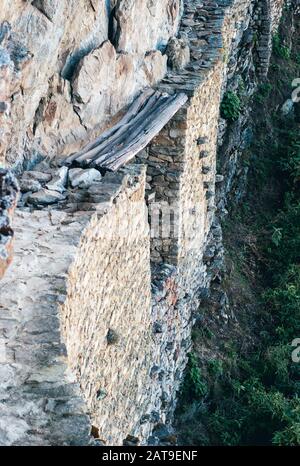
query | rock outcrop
(65,69)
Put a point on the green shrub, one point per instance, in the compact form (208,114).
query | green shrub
(263,92)
(230,106)
(279,49)
(225,429)
(194,386)
(290,436)
(215,367)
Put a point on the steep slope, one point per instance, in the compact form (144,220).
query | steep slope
(242,382)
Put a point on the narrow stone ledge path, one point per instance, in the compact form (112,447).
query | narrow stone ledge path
(54,298)
(40,402)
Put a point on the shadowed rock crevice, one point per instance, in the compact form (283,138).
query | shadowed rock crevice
(41,5)
(8,198)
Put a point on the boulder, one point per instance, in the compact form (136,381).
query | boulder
(28,184)
(154,67)
(37,176)
(59,180)
(93,84)
(178,52)
(45,197)
(83,178)
(142,25)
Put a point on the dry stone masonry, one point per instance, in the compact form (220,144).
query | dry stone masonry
(55,327)
(110,269)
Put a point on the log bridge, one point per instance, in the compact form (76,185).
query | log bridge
(145,118)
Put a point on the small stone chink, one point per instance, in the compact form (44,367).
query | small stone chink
(157,327)
(112,337)
(209,195)
(101,394)
(203,154)
(202,140)
(206,169)
(95,432)
(131,441)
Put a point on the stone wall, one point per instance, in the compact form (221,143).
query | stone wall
(67,66)
(182,159)
(182,168)
(276,8)
(81,312)
(40,402)
(269,13)
(87,343)
(106,319)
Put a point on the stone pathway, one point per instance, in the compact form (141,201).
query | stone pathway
(39,398)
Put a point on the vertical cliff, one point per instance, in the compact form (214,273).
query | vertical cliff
(8,198)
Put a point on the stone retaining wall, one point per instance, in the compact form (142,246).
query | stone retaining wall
(106,318)
(181,161)
(76,331)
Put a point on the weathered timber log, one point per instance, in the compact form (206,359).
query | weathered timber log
(112,141)
(145,118)
(133,110)
(135,132)
(134,129)
(141,141)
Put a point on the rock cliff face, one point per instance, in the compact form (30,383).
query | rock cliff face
(67,66)
(120,298)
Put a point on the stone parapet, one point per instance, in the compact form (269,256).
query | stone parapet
(75,320)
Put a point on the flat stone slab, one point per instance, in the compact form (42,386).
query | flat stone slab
(83,178)
(45,197)
(59,180)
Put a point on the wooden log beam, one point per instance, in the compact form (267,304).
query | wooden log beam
(141,140)
(132,131)
(145,118)
(113,140)
(133,110)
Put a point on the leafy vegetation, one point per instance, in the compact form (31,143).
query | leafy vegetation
(193,386)
(279,49)
(230,106)
(264,92)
